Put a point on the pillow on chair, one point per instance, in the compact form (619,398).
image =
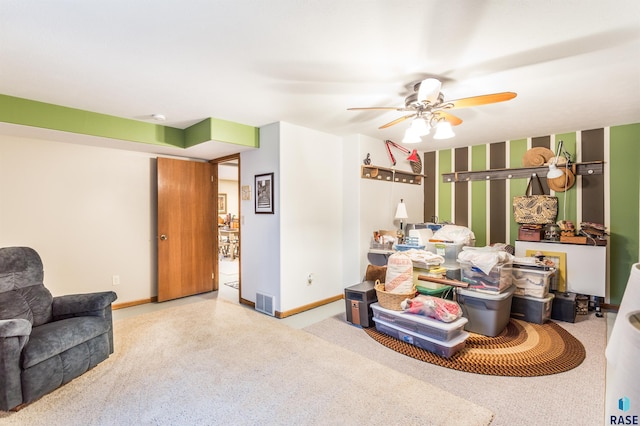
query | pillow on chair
(374,273)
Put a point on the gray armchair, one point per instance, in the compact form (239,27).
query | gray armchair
(45,341)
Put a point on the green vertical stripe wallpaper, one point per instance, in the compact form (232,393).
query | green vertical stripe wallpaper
(624,157)
(621,192)
(567,200)
(517,187)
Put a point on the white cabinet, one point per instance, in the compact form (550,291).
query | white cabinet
(586,268)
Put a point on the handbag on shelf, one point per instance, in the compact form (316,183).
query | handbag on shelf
(535,209)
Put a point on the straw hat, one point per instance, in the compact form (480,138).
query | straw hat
(537,156)
(564,182)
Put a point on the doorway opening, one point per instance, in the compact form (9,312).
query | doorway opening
(228,256)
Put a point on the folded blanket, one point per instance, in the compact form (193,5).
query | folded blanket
(485,259)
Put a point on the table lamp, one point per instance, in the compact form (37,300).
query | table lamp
(401,214)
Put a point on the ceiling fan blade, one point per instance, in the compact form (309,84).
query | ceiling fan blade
(482,99)
(396,121)
(449,117)
(429,90)
(376,108)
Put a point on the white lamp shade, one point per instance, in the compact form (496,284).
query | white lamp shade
(444,131)
(401,211)
(554,172)
(411,137)
(419,126)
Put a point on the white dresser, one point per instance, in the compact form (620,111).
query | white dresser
(586,268)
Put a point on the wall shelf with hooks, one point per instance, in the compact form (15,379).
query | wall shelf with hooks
(589,168)
(390,175)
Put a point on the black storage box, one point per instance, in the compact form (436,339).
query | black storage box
(532,309)
(564,307)
(358,299)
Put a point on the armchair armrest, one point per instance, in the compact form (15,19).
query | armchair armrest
(14,334)
(16,327)
(93,304)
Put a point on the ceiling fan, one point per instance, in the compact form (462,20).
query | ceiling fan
(429,110)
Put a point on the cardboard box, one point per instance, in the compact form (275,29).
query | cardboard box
(526,233)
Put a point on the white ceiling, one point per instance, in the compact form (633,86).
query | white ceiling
(575,64)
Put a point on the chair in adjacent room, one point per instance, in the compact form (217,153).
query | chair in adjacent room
(45,341)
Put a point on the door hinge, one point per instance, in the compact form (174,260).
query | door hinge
(212,275)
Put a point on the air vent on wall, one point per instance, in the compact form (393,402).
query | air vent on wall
(265,304)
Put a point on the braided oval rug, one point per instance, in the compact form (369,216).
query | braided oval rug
(523,349)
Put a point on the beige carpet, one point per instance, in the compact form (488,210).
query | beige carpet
(574,397)
(214,362)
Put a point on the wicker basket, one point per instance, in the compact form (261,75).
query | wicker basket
(392,300)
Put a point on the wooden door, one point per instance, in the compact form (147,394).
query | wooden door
(185,228)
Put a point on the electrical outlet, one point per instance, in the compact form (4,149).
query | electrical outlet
(115,280)
(309,279)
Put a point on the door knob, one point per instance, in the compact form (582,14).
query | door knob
(163,237)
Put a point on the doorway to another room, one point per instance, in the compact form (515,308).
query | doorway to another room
(228,228)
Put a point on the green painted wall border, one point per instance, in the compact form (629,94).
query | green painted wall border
(55,117)
(624,174)
(222,131)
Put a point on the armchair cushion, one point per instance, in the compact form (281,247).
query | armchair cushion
(56,337)
(15,328)
(22,293)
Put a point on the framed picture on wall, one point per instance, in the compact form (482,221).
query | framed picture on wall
(264,193)
(222,203)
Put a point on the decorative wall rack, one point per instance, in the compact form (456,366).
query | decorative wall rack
(390,175)
(588,168)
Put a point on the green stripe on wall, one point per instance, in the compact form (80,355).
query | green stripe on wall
(479,196)
(517,149)
(570,141)
(624,176)
(461,190)
(444,189)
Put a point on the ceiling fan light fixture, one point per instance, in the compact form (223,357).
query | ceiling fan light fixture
(411,137)
(444,130)
(419,126)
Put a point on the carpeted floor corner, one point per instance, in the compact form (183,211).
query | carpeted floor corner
(214,362)
(571,397)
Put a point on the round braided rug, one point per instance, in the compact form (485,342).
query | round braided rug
(523,349)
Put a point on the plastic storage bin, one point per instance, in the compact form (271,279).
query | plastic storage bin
(420,324)
(531,282)
(449,251)
(436,290)
(487,313)
(498,279)
(444,349)
(532,309)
